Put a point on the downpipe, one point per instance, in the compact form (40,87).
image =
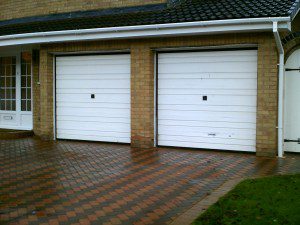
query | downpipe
(280,89)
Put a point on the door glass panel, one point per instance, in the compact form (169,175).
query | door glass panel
(8,83)
(26,81)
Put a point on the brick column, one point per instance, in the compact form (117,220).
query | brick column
(46,95)
(36,91)
(267,102)
(142,97)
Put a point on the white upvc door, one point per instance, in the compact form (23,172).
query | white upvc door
(292,104)
(93,98)
(208,100)
(16,91)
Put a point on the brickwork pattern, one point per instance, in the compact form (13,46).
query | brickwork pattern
(92,183)
(142,82)
(11,9)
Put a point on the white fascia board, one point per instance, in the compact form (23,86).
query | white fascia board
(144,31)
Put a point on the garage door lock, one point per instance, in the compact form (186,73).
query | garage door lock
(292,69)
(297,141)
(92,95)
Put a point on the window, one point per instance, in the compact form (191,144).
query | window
(8,83)
(26,81)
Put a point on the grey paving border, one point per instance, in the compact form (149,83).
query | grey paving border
(191,214)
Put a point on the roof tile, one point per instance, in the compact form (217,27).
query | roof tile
(178,11)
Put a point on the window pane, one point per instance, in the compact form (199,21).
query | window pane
(28,93)
(23,105)
(23,81)
(23,93)
(2,104)
(13,82)
(2,93)
(13,105)
(2,82)
(28,105)
(8,105)
(7,83)
(26,81)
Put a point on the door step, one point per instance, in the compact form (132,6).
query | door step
(7,134)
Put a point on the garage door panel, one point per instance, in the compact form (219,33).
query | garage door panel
(89,69)
(197,76)
(207,59)
(206,83)
(210,140)
(94,91)
(106,117)
(213,100)
(208,132)
(93,119)
(106,133)
(207,108)
(95,125)
(206,124)
(229,81)
(99,98)
(179,67)
(96,137)
(205,145)
(206,91)
(92,84)
(104,112)
(222,55)
(93,59)
(211,116)
(108,105)
(119,76)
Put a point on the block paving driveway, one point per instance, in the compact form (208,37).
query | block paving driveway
(68,182)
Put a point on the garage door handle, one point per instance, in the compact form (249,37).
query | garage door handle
(212,134)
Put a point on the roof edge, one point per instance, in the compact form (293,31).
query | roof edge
(147,31)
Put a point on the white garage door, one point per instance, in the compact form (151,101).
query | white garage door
(93,98)
(208,99)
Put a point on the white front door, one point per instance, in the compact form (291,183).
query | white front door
(292,104)
(93,98)
(208,99)
(15,91)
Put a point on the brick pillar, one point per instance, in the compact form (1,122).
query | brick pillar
(142,97)
(36,91)
(267,102)
(46,95)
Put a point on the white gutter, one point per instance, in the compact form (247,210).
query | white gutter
(280,89)
(158,30)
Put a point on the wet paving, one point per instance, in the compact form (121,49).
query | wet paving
(69,182)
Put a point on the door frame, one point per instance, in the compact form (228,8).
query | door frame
(158,51)
(55,55)
(18,112)
(294,50)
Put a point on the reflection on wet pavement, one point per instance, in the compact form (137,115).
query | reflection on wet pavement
(94,183)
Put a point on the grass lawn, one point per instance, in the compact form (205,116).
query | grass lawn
(272,200)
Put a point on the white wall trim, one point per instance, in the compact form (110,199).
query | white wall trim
(155,97)
(281,74)
(157,30)
(54,97)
